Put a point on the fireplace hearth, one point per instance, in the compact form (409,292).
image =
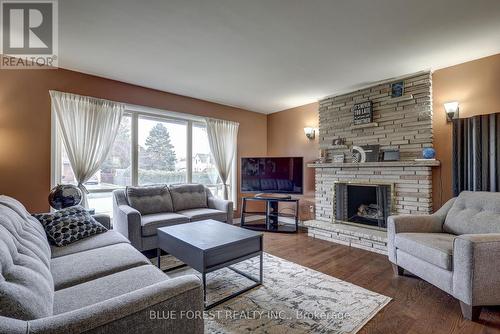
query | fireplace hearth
(364,204)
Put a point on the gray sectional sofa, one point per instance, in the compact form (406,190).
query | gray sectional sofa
(139,211)
(100,284)
(456,249)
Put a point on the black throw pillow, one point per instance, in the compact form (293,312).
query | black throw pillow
(69,225)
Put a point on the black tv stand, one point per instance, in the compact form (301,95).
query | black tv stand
(271,213)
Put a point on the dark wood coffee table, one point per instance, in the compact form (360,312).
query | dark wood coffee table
(210,245)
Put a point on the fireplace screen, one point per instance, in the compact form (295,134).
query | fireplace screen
(366,204)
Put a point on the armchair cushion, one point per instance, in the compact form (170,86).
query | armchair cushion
(201,214)
(150,223)
(474,212)
(188,196)
(435,248)
(150,199)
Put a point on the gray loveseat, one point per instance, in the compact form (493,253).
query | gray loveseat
(456,249)
(140,211)
(100,284)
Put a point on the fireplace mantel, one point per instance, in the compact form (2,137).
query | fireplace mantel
(382,164)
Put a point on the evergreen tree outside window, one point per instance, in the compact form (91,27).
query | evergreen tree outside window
(159,150)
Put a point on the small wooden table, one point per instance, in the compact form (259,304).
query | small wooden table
(210,245)
(271,214)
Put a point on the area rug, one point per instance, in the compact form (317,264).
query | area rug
(293,299)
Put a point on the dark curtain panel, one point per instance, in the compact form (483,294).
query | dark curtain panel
(476,153)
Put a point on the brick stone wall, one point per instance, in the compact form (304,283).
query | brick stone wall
(404,122)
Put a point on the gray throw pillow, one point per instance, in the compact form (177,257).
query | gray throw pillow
(150,199)
(69,225)
(188,196)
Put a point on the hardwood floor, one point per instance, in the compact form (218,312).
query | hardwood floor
(417,307)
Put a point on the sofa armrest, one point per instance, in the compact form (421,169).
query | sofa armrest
(476,259)
(222,205)
(145,310)
(104,220)
(414,223)
(127,221)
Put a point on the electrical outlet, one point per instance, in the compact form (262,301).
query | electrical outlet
(311,208)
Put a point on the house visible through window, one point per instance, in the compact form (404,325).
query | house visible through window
(149,149)
(204,170)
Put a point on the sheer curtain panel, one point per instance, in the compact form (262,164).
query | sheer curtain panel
(222,139)
(88,127)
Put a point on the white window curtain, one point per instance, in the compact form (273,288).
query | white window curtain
(222,139)
(88,127)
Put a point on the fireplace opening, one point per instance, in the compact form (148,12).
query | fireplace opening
(365,204)
(362,205)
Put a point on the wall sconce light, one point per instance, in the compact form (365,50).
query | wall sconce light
(310,132)
(452,111)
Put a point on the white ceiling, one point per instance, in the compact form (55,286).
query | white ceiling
(270,55)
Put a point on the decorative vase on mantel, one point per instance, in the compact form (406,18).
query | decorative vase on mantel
(429,153)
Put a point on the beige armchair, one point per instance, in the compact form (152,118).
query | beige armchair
(456,249)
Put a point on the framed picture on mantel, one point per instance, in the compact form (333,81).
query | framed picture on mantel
(363,113)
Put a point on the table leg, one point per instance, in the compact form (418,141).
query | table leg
(297,208)
(204,280)
(261,267)
(258,281)
(158,257)
(267,216)
(242,214)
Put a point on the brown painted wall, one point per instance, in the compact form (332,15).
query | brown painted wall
(285,137)
(476,86)
(25,123)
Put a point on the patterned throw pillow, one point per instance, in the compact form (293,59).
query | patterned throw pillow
(69,225)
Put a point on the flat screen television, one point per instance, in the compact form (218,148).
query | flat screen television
(280,175)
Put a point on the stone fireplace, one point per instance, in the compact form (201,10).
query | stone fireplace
(353,200)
